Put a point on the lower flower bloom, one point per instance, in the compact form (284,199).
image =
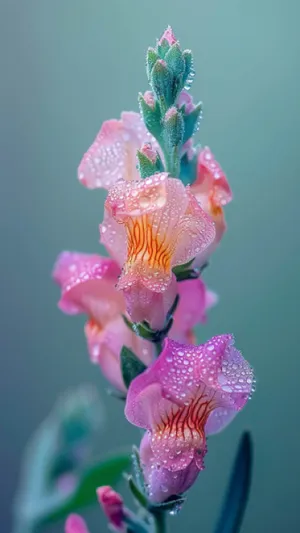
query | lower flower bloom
(188,393)
(88,286)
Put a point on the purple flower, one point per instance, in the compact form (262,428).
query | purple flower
(188,393)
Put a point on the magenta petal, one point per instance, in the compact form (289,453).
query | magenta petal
(75,524)
(176,395)
(161,482)
(88,285)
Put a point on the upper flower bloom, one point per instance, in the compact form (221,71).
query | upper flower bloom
(212,190)
(112,156)
(152,225)
(88,286)
(169,36)
(187,393)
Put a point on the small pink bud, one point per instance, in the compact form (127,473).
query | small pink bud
(169,36)
(149,99)
(171,113)
(75,524)
(112,505)
(148,151)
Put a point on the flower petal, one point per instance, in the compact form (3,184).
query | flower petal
(112,156)
(176,395)
(105,346)
(194,300)
(195,232)
(75,524)
(163,483)
(211,179)
(144,304)
(88,285)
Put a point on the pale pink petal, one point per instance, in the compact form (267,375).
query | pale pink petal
(144,304)
(88,285)
(163,483)
(211,179)
(105,346)
(195,232)
(113,237)
(75,524)
(194,300)
(112,156)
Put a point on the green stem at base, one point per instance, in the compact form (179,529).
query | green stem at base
(160,522)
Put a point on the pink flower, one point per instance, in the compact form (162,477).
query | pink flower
(149,227)
(88,286)
(112,505)
(194,300)
(212,190)
(169,36)
(112,156)
(75,524)
(161,482)
(187,393)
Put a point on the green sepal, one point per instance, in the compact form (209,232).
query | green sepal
(174,59)
(147,167)
(180,268)
(173,129)
(191,273)
(189,73)
(238,490)
(137,469)
(151,59)
(161,81)
(191,122)
(172,505)
(151,117)
(131,365)
(139,496)
(188,169)
(163,48)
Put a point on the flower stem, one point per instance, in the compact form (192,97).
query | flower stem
(158,346)
(160,523)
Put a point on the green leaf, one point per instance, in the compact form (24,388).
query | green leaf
(106,472)
(236,499)
(131,365)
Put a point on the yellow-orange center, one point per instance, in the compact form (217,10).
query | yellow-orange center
(144,245)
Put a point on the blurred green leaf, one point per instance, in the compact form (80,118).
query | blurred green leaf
(131,365)
(107,472)
(236,499)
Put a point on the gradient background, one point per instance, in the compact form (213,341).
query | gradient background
(67,65)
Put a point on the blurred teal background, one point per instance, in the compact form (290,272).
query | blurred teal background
(67,65)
